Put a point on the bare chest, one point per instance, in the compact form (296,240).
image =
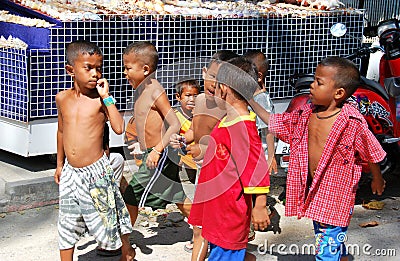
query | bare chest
(318,131)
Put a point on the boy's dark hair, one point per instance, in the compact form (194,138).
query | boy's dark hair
(239,74)
(259,59)
(191,82)
(347,75)
(222,56)
(146,51)
(76,48)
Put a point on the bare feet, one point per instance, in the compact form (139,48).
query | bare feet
(249,257)
(128,253)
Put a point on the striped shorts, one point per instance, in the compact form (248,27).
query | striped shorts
(158,187)
(90,201)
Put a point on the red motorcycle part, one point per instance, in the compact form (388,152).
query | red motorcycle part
(298,100)
(394,66)
(375,110)
(389,69)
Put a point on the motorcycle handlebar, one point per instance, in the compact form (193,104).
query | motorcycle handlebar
(363,52)
(303,80)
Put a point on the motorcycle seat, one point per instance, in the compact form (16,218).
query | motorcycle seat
(374,86)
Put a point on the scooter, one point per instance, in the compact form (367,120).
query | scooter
(380,106)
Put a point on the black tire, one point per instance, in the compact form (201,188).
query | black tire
(390,165)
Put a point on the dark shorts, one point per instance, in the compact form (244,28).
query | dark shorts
(157,187)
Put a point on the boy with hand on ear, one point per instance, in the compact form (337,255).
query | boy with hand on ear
(89,197)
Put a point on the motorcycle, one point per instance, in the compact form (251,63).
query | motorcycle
(379,105)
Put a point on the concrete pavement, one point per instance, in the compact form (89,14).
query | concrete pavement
(26,182)
(32,234)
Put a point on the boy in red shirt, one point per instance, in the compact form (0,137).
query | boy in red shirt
(233,169)
(329,139)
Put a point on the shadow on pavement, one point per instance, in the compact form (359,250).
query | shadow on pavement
(392,189)
(162,236)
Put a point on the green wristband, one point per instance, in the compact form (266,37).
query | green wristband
(109,101)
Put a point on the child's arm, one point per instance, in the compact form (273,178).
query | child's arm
(259,214)
(378,183)
(116,120)
(189,135)
(260,111)
(270,139)
(60,145)
(163,106)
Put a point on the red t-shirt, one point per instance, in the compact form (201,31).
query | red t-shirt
(220,206)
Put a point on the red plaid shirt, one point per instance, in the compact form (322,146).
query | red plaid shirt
(332,193)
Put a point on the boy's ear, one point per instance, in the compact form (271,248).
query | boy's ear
(204,72)
(224,90)
(259,76)
(340,94)
(178,96)
(70,70)
(146,70)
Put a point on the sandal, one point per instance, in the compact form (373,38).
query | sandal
(188,246)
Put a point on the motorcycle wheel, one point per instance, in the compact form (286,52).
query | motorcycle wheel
(390,165)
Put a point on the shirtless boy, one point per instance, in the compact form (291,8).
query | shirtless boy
(89,197)
(157,181)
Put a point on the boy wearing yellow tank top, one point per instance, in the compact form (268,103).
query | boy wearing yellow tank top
(186,93)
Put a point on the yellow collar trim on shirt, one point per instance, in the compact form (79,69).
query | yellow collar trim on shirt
(250,117)
(256,190)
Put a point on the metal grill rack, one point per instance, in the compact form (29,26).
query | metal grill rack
(294,44)
(13,84)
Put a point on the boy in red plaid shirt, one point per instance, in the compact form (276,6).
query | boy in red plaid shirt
(328,140)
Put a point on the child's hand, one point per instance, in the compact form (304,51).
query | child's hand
(57,175)
(272,165)
(152,159)
(378,185)
(175,141)
(195,150)
(102,88)
(260,218)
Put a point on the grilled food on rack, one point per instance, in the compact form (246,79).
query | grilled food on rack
(67,10)
(15,19)
(12,42)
